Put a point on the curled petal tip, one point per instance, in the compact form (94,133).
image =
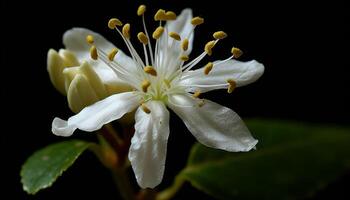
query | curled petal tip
(61,128)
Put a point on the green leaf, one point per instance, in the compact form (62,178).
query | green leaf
(46,165)
(292,161)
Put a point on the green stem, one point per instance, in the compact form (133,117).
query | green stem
(118,168)
(172,190)
(122,181)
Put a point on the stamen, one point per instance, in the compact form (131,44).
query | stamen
(142,38)
(175,36)
(232,85)
(90,39)
(160,15)
(194,62)
(93,53)
(197,21)
(167,83)
(208,67)
(196,94)
(112,54)
(149,43)
(184,44)
(184,58)
(150,70)
(141,10)
(201,103)
(170,15)
(219,35)
(144,85)
(145,108)
(114,22)
(126,31)
(236,52)
(208,47)
(158,32)
(131,49)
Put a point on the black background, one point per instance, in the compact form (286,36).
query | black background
(303,46)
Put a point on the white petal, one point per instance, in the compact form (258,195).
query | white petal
(149,144)
(75,41)
(212,124)
(93,117)
(243,73)
(182,25)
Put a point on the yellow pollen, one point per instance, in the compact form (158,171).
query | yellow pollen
(158,32)
(219,35)
(201,103)
(196,94)
(236,52)
(141,10)
(184,44)
(160,15)
(126,31)
(150,70)
(114,22)
(142,38)
(197,21)
(145,84)
(167,83)
(184,58)
(232,85)
(112,54)
(208,67)
(208,47)
(175,36)
(93,53)
(90,39)
(170,15)
(145,108)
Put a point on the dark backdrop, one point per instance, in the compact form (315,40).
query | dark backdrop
(302,44)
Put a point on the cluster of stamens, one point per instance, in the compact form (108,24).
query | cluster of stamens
(148,81)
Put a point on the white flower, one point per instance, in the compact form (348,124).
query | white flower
(162,80)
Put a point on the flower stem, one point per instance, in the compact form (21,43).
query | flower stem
(172,190)
(119,167)
(122,181)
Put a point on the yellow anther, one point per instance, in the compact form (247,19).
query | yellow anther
(114,22)
(160,15)
(232,85)
(150,70)
(208,67)
(144,85)
(236,52)
(219,35)
(167,83)
(184,44)
(201,103)
(196,94)
(209,46)
(170,15)
(158,32)
(175,36)
(197,21)
(184,58)
(90,39)
(112,54)
(142,38)
(126,31)
(93,53)
(145,108)
(141,10)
